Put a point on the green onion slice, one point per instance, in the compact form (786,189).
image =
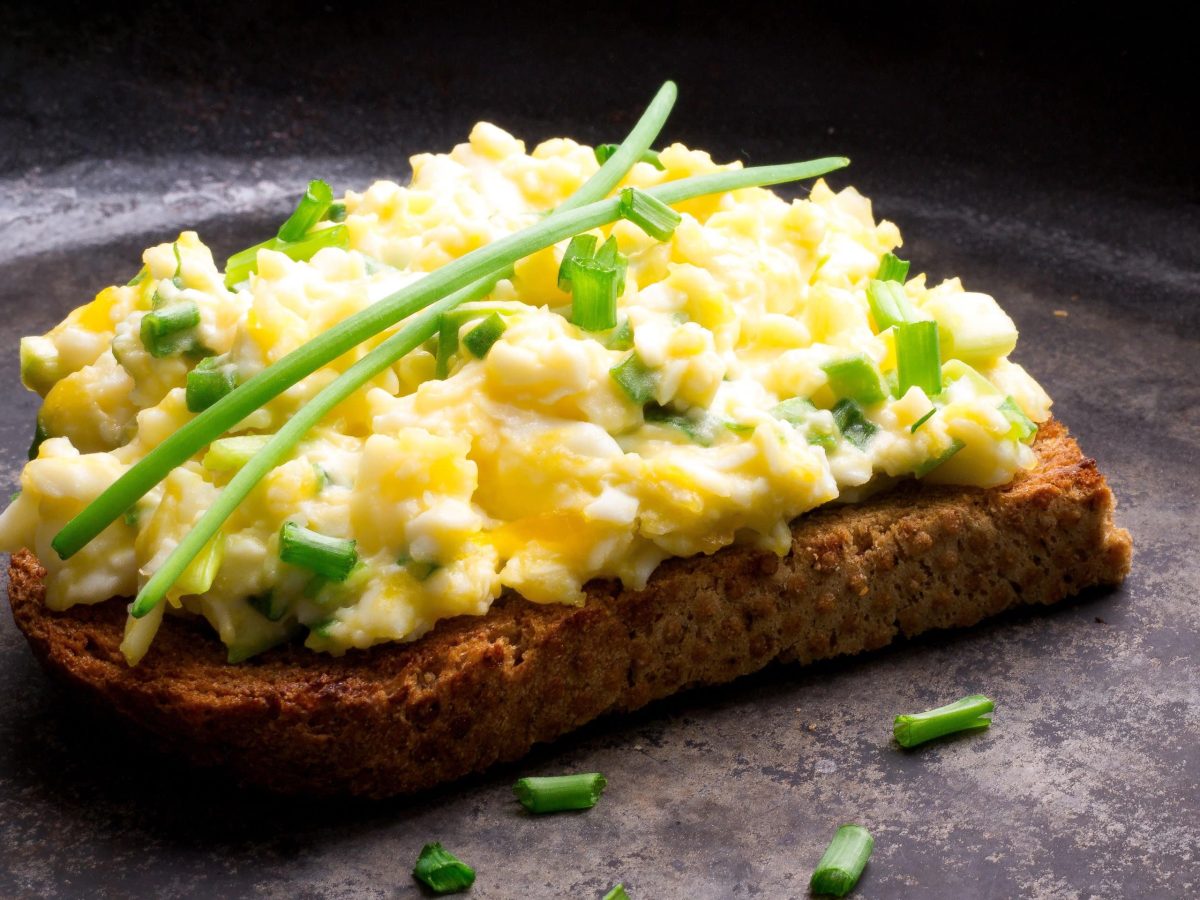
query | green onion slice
(560,792)
(242,264)
(329,557)
(593,295)
(441,871)
(582,246)
(889,304)
(168,329)
(857,378)
(698,430)
(930,464)
(604,153)
(211,379)
(970,712)
(621,338)
(843,861)
(918,357)
(312,209)
(479,339)
(853,424)
(636,379)
(617,893)
(649,213)
(892,268)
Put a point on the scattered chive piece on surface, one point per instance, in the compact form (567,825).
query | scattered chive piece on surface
(921,421)
(892,268)
(208,382)
(309,211)
(843,861)
(918,357)
(856,378)
(698,431)
(932,463)
(617,893)
(166,330)
(441,871)
(560,792)
(917,728)
(582,246)
(479,339)
(794,411)
(329,557)
(635,378)
(649,213)
(1023,426)
(621,338)
(604,153)
(854,426)
(889,304)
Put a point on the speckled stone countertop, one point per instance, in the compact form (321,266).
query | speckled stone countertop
(1050,176)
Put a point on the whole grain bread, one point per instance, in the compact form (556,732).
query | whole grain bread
(478,690)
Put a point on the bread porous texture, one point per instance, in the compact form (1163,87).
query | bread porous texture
(478,690)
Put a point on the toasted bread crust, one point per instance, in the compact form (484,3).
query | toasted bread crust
(478,690)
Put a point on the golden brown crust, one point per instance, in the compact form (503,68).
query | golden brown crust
(478,690)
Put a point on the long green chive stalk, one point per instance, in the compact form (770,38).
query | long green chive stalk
(560,792)
(969,712)
(843,861)
(274,380)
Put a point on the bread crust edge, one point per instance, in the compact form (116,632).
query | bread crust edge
(484,689)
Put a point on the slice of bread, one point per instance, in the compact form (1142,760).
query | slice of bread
(478,690)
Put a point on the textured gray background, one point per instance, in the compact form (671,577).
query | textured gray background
(1043,167)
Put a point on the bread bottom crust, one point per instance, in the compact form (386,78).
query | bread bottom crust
(482,689)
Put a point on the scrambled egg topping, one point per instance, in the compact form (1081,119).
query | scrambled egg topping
(530,468)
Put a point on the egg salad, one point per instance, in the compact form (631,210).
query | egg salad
(751,375)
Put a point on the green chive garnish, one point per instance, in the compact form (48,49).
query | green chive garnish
(636,379)
(336,212)
(231,453)
(479,339)
(39,436)
(442,872)
(593,295)
(843,861)
(167,330)
(918,357)
(892,268)
(604,153)
(582,246)
(930,464)
(211,379)
(889,304)
(1023,427)
(799,413)
(649,213)
(268,605)
(921,421)
(969,712)
(698,430)
(560,792)
(329,557)
(856,378)
(617,893)
(854,426)
(312,209)
(621,338)
(242,264)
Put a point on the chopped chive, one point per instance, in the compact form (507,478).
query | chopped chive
(649,213)
(621,338)
(560,792)
(961,715)
(921,421)
(800,413)
(131,517)
(853,424)
(604,153)
(889,304)
(636,379)
(479,339)
(699,431)
(843,861)
(442,872)
(143,272)
(930,464)
(167,330)
(323,627)
(617,893)
(892,268)
(329,557)
(421,571)
(447,345)
(40,434)
(336,212)
(242,264)
(309,211)
(593,295)
(610,254)
(269,605)
(856,378)
(231,453)
(918,357)
(209,381)
(1023,427)
(582,246)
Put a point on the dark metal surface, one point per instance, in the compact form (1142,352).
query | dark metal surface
(1041,167)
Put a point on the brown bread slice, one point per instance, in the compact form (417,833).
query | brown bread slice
(478,690)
